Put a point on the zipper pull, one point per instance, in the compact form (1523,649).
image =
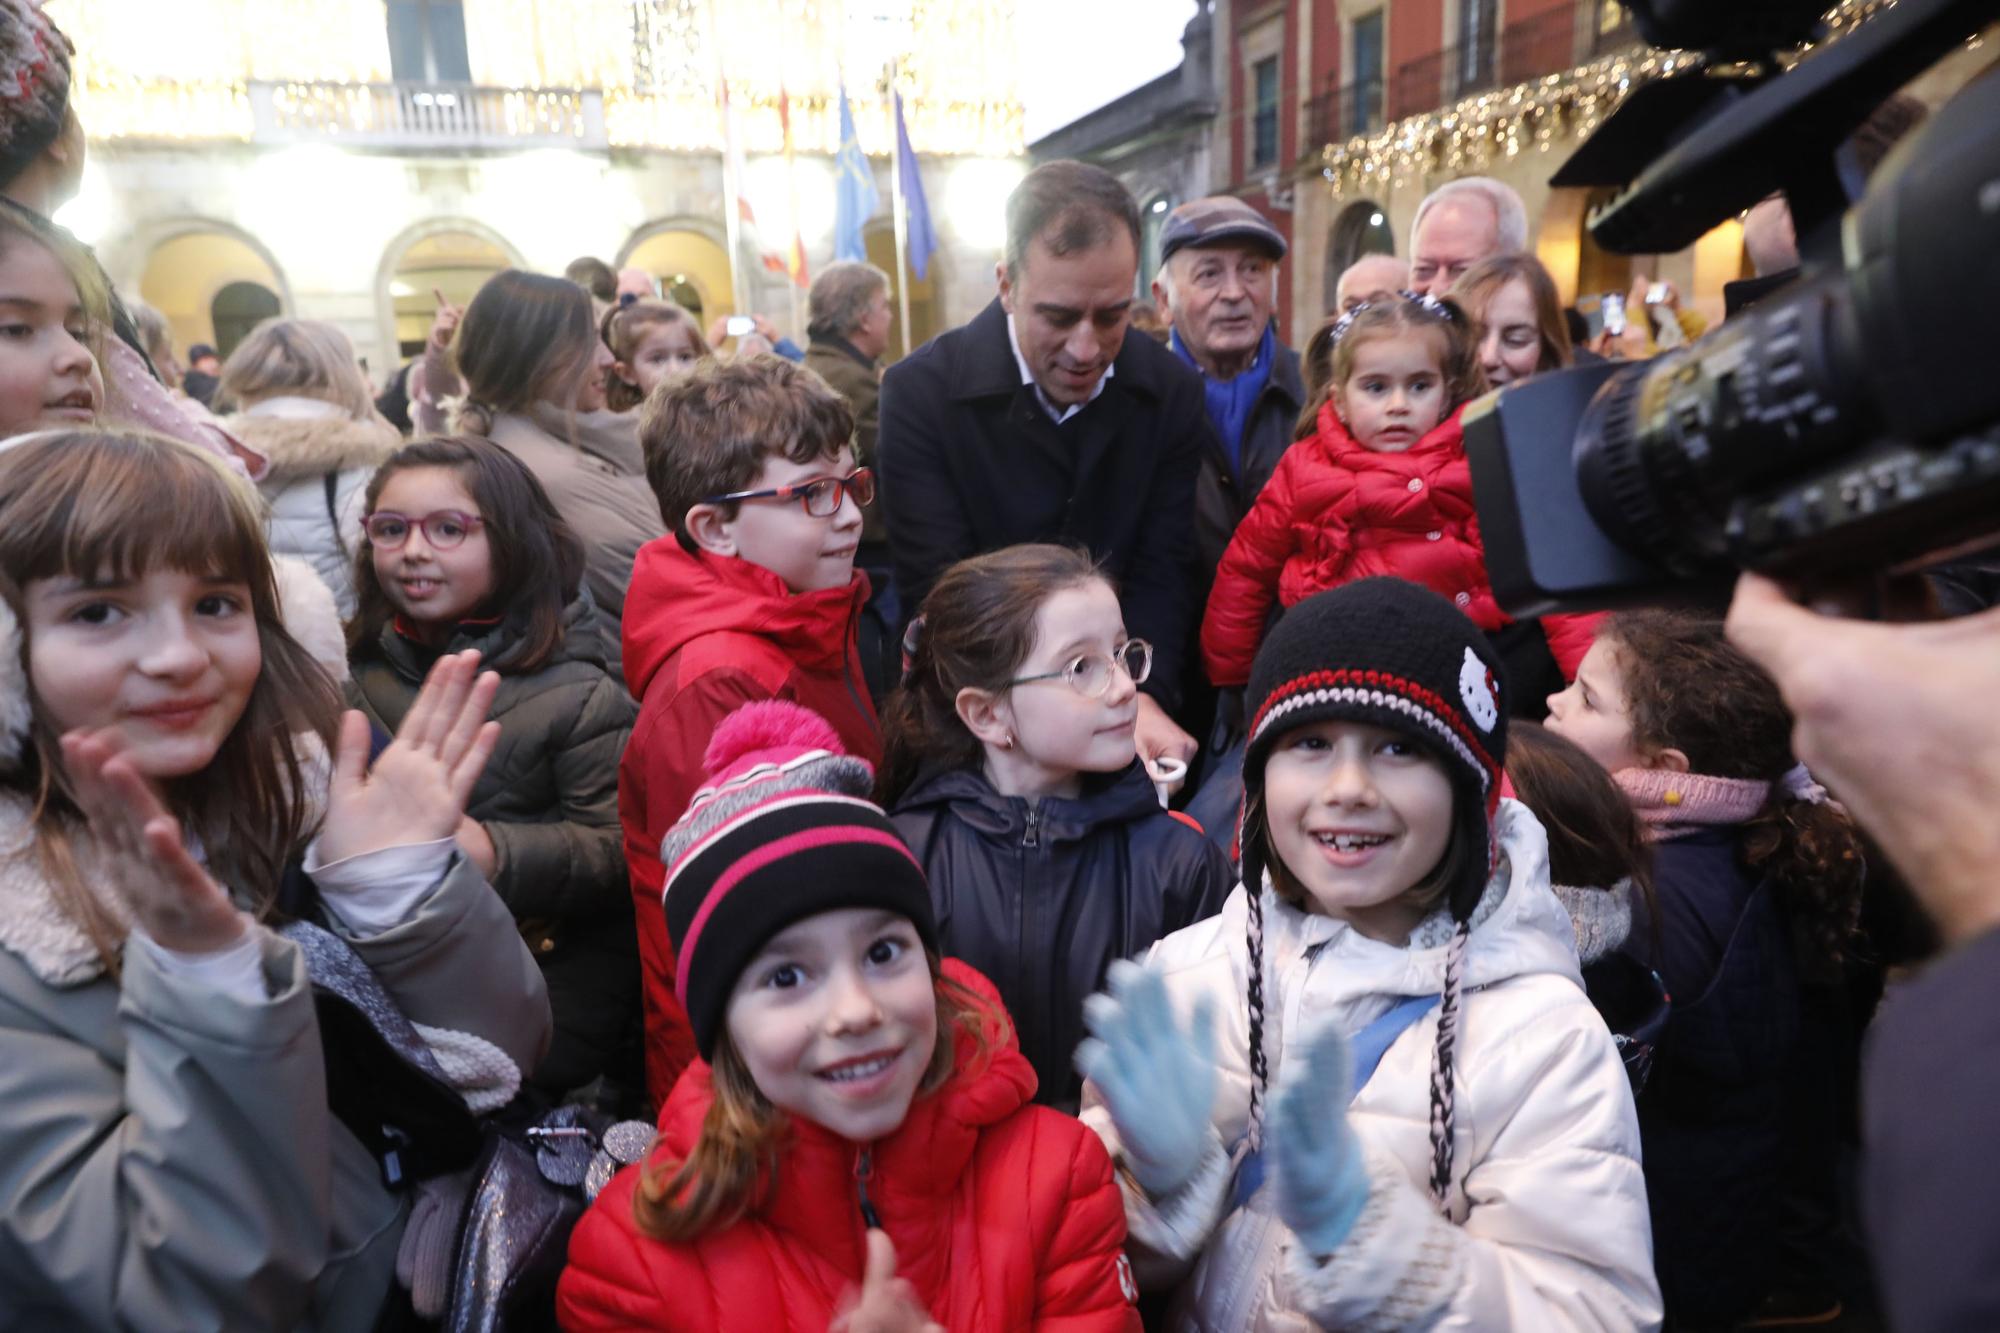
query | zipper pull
(1032,836)
(864,1166)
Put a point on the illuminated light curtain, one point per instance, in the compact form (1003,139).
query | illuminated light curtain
(550,43)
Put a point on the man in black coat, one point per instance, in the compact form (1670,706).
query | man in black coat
(1040,421)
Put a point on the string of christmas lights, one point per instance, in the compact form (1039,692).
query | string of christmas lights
(184,71)
(1479,131)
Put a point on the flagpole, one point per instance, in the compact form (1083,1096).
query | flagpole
(896,191)
(798,254)
(732,188)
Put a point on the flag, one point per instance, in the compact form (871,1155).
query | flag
(855,195)
(921,239)
(795,258)
(732,175)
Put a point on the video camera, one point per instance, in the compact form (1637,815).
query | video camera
(1849,422)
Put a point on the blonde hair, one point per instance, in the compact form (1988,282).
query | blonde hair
(299,358)
(624,329)
(734,1163)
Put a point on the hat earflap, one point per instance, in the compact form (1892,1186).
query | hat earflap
(16,713)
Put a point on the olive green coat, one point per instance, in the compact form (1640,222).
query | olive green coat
(860,383)
(549,801)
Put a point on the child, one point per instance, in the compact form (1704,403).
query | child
(754,597)
(1010,764)
(653,342)
(462,551)
(1394,945)
(1380,485)
(55,317)
(304,405)
(168,1152)
(1758,879)
(859,1103)
(1601,868)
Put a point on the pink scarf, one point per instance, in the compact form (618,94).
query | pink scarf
(1673,805)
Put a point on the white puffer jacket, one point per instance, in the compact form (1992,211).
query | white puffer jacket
(1548,1227)
(309,442)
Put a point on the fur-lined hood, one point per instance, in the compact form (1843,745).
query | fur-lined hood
(300,447)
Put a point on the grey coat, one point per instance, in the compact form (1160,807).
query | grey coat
(167,1158)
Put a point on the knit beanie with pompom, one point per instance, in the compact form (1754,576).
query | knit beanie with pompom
(782,831)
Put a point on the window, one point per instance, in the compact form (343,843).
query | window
(1365,113)
(1473,69)
(427,42)
(1264,122)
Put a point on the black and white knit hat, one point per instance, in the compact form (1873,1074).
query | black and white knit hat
(1392,654)
(784,831)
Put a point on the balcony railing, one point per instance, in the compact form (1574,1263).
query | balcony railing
(426,115)
(1336,115)
(1546,44)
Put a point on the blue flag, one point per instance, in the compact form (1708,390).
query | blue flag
(855,196)
(922,240)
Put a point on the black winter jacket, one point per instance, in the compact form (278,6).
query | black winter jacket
(970,462)
(1042,896)
(1222,499)
(549,799)
(1711,1119)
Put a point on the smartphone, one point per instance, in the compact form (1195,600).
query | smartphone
(741,324)
(1656,294)
(1613,306)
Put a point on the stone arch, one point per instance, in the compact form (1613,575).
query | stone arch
(186,264)
(690,259)
(1361,228)
(403,316)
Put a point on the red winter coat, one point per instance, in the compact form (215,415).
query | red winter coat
(1004,1215)
(703,636)
(1334,512)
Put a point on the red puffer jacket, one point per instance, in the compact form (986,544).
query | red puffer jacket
(704,635)
(1335,511)
(1004,1215)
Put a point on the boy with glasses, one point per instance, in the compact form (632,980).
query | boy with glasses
(752,595)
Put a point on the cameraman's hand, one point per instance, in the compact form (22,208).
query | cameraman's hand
(1899,721)
(1157,1081)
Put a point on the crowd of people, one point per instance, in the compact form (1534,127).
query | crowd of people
(644,826)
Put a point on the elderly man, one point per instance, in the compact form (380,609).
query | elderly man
(1040,421)
(1368,278)
(848,316)
(1460,223)
(1217,284)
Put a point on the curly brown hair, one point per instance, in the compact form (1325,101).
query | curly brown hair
(1688,688)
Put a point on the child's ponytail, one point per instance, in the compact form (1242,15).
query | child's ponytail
(1811,853)
(974,630)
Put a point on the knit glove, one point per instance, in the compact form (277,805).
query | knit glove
(1157,1081)
(1317,1171)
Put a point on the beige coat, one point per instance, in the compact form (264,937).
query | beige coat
(167,1158)
(599,487)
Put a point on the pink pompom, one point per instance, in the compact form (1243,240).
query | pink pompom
(769,731)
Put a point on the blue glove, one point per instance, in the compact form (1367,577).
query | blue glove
(1157,1081)
(1320,1180)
